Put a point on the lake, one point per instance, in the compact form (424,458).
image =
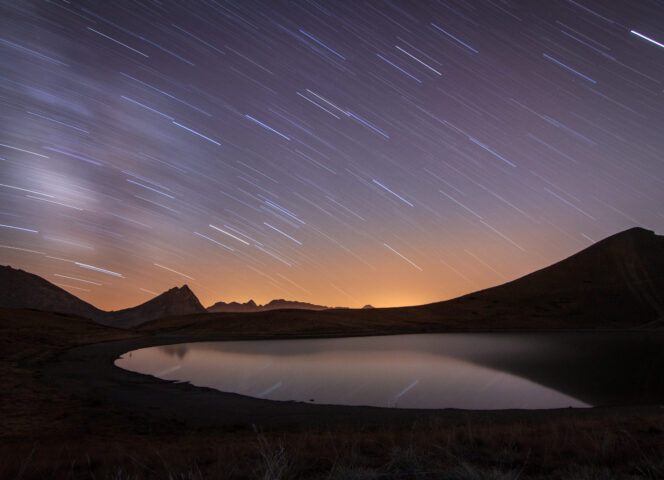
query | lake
(470,371)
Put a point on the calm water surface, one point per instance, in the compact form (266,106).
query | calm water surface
(472,371)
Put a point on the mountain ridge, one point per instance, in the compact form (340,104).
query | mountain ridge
(251,306)
(617,282)
(21,289)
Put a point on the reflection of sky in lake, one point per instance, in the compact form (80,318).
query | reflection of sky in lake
(406,371)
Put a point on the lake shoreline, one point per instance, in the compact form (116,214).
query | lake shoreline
(89,371)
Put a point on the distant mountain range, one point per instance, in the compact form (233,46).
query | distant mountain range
(251,306)
(617,282)
(25,290)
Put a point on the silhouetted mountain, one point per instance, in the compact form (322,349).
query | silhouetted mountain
(617,281)
(368,306)
(282,304)
(176,301)
(19,289)
(251,306)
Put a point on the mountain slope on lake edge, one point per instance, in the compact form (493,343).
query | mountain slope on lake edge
(617,281)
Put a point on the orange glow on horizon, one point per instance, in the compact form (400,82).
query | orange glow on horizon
(387,282)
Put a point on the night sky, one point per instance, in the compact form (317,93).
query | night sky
(341,153)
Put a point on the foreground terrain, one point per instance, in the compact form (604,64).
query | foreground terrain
(53,429)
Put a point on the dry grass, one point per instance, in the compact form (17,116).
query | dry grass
(613,448)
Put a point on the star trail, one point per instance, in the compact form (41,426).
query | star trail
(340,153)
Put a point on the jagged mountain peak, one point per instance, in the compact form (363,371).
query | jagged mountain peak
(175,301)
